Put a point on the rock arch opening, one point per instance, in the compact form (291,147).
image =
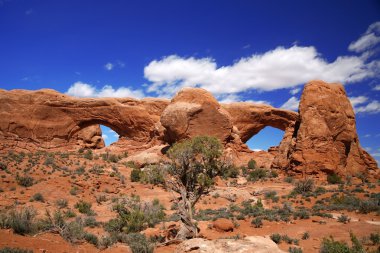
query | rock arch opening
(266,138)
(109,136)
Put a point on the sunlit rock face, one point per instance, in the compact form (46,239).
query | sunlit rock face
(321,138)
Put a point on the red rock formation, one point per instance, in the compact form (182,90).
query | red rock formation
(195,112)
(46,119)
(325,137)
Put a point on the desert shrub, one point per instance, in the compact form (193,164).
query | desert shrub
(107,241)
(49,161)
(134,215)
(257,222)
(135,175)
(329,245)
(73,231)
(305,236)
(209,214)
(289,180)
(22,221)
(287,239)
(367,206)
(90,222)
(84,207)
(61,203)
(38,197)
(138,243)
(256,174)
(91,238)
(25,181)
(74,191)
(230,172)
(80,170)
(375,238)
(96,169)
(3,166)
(295,250)
(252,164)
(15,250)
(88,154)
(272,195)
(152,175)
(100,198)
(301,213)
(276,238)
(273,174)
(334,179)
(304,186)
(343,219)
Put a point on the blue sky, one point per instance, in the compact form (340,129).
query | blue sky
(261,51)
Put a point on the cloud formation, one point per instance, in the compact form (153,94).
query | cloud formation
(368,40)
(291,104)
(80,89)
(276,69)
(111,65)
(372,108)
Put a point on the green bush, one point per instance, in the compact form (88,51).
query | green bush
(73,231)
(304,186)
(257,222)
(15,250)
(61,203)
(334,179)
(252,164)
(375,238)
(84,207)
(276,238)
(135,175)
(256,174)
(305,236)
(329,245)
(91,238)
(88,154)
(343,219)
(25,181)
(3,166)
(152,175)
(38,197)
(138,243)
(295,250)
(23,221)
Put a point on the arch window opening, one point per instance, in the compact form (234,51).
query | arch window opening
(266,138)
(109,136)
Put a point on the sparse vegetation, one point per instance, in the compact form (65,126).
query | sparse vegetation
(334,179)
(25,181)
(304,186)
(15,250)
(84,207)
(38,197)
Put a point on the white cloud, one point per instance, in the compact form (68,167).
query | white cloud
(368,40)
(230,98)
(109,66)
(372,107)
(104,136)
(275,69)
(376,154)
(291,104)
(368,149)
(80,89)
(358,100)
(367,136)
(294,91)
(377,87)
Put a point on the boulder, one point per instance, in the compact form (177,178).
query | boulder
(194,112)
(250,244)
(223,225)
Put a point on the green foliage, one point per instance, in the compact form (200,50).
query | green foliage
(152,174)
(252,164)
(257,174)
(375,238)
(91,238)
(61,203)
(334,179)
(88,154)
(15,250)
(138,243)
(96,169)
(295,250)
(38,197)
(276,238)
(3,166)
(25,181)
(135,175)
(329,245)
(22,221)
(305,236)
(343,219)
(134,215)
(304,186)
(231,171)
(84,207)
(257,222)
